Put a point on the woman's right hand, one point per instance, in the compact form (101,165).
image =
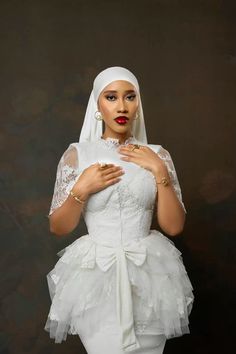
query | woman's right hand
(94,178)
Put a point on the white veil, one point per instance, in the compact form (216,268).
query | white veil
(92,128)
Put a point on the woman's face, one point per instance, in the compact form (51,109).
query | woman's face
(118,104)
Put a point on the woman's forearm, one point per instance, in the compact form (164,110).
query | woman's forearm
(65,219)
(170,213)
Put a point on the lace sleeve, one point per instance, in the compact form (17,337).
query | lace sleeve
(165,156)
(66,177)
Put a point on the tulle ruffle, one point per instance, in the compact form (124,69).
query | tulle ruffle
(83,290)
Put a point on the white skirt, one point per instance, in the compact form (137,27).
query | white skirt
(108,339)
(107,342)
(143,287)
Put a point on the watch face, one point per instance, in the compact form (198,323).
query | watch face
(165,181)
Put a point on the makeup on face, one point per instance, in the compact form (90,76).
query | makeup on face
(118,104)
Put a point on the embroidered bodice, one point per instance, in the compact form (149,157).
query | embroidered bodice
(122,210)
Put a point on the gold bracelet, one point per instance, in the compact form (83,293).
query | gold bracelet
(164,181)
(77,198)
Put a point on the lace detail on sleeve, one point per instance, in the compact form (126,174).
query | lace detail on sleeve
(66,176)
(165,156)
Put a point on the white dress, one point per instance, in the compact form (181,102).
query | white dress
(121,273)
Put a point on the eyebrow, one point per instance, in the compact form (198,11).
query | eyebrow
(114,91)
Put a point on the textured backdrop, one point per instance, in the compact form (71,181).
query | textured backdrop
(184,55)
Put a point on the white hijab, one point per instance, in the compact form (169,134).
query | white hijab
(92,128)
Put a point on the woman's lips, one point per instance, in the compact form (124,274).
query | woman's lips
(121,120)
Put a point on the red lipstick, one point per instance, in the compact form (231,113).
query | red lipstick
(121,119)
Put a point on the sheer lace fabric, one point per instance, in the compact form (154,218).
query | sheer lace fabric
(165,156)
(68,167)
(66,176)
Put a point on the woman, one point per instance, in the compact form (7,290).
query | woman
(122,287)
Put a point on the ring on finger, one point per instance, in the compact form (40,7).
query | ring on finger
(102,166)
(135,146)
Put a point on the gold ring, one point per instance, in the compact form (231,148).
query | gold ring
(136,146)
(103,165)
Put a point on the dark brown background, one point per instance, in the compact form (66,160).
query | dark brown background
(184,55)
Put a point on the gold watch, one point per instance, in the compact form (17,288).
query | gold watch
(164,181)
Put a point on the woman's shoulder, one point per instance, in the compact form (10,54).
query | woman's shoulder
(76,146)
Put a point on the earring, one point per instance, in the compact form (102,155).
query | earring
(98,115)
(137,115)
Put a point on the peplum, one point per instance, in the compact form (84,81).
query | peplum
(121,272)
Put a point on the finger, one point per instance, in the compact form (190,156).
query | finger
(128,158)
(112,170)
(137,160)
(108,165)
(112,181)
(113,175)
(104,168)
(106,173)
(131,148)
(128,153)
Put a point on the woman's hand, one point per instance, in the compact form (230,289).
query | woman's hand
(94,178)
(144,157)
(170,213)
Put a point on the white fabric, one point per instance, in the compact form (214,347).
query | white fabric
(108,342)
(92,128)
(68,166)
(121,268)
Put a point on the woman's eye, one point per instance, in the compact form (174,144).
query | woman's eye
(110,97)
(131,97)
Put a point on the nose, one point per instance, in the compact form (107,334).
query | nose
(122,108)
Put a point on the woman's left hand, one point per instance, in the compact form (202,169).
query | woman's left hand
(144,157)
